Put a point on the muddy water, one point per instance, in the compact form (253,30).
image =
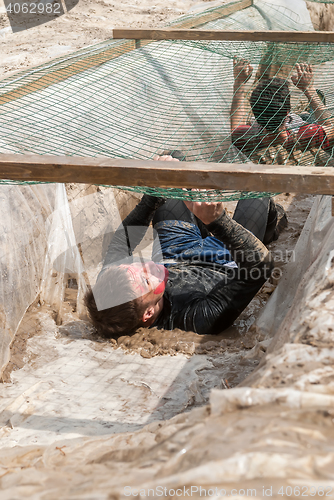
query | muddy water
(152,342)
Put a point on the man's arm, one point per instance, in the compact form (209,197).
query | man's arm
(133,228)
(213,312)
(247,250)
(245,137)
(242,71)
(304,82)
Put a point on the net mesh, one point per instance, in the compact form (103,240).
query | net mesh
(127,99)
(321,1)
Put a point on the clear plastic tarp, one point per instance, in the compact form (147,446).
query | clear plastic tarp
(65,415)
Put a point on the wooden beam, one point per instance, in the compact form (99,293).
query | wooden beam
(213,14)
(201,175)
(248,35)
(97,59)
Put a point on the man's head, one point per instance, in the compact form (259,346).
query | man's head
(270,102)
(126,297)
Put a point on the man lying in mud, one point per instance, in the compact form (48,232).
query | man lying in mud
(210,268)
(275,124)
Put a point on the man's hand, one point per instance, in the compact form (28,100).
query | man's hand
(242,71)
(164,158)
(207,212)
(304,82)
(304,78)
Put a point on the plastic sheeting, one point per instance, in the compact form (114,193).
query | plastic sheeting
(42,230)
(292,299)
(23,244)
(274,432)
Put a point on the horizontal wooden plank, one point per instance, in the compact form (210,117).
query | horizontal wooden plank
(213,14)
(202,175)
(231,35)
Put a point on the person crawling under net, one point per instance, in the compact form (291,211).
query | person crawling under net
(275,124)
(206,266)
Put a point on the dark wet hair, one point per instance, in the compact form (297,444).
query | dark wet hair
(270,102)
(120,319)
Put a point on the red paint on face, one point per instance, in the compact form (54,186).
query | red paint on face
(148,277)
(161,288)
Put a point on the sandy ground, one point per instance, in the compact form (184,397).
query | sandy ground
(89,22)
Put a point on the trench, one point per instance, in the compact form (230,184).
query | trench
(69,383)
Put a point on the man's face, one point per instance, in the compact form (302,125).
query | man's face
(147,278)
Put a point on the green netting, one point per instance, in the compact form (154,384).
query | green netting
(116,100)
(209,195)
(321,1)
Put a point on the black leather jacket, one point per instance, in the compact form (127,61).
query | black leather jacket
(201,297)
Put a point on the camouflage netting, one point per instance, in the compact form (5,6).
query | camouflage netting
(116,100)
